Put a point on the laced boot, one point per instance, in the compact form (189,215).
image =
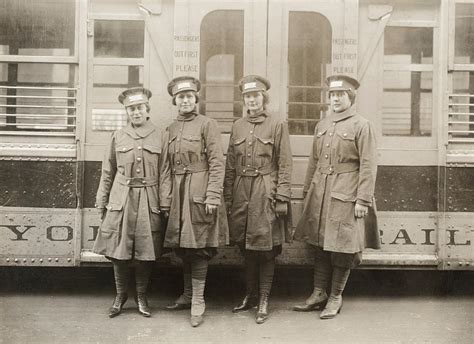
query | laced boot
(119,301)
(142,302)
(249,301)
(198,306)
(333,307)
(262,314)
(316,301)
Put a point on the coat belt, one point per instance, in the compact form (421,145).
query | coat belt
(198,166)
(136,182)
(254,171)
(342,167)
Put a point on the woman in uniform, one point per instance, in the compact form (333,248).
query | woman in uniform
(127,200)
(338,219)
(257,191)
(194,163)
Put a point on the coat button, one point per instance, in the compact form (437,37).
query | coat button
(139,159)
(256,170)
(251,131)
(177,140)
(248,165)
(345,134)
(143,181)
(243,171)
(178,162)
(333,123)
(124,149)
(139,148)
(128,182)
(330,134)
(249,155)
(138,170)
(320,133)
(327,144)
(326,156)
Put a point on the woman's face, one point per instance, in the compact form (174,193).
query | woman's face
(186,101)
(253,101)
(340,101)
(137,114)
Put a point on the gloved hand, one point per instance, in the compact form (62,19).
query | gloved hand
(211,209)
(228,207)
(281,208)
(165,212)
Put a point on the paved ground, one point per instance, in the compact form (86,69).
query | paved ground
(69,306)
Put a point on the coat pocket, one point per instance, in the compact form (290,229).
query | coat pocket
(155,219)
(198,212)
(191,143)
(151,155)
(125,155)
(264,147)
(113,218)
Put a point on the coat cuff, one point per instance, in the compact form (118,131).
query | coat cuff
(363,202)
(213,200)
(365,198)
(282,198)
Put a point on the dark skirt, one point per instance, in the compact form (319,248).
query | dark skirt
(189,253)
(267,255)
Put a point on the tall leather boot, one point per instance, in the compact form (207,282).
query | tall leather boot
(334,305)
(250,299)
(121,275)
(184,300)
(142,277)
(266,272)
(321,276)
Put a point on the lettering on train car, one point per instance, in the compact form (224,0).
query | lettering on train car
(53,233)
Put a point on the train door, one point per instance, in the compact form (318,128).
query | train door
(457,239)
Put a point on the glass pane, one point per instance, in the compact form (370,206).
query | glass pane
(37,96)
(222,48)
(408,45)
(109,82)
(41,27)
(461,106)
(309,52)
(119,38)
(464,34)
(407,103)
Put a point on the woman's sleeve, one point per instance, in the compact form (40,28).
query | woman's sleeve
(215,159)
(109,169)
(165,174)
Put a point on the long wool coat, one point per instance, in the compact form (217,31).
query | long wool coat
(128,189)
(341,172)
(258,171)
(194,167)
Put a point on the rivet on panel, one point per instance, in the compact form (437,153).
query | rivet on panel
(41,260)
(69,259)
(57,259)
(16,260)
(8,259)
(49,259)
(32,260)
(24,260)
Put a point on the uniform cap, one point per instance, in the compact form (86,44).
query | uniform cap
(134,96)
(253,83)
(341,83)
(183,83)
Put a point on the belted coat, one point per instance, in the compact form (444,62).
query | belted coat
(258,171)
(341,172)
(128,189)
(194,167)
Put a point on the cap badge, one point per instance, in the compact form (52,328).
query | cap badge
(184,85)
(135,97)
(336,83)
(250,85)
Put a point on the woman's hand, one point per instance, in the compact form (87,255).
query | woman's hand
(101,212)
(361,210)
(211,209)
(281,208)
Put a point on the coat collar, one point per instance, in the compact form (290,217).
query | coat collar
(336,117)
(259,117)
(139,132)
(187,116)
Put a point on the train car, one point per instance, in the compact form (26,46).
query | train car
(63,63)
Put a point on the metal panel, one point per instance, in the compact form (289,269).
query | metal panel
(36,237)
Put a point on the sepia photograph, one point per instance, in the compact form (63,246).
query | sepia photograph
(236,171)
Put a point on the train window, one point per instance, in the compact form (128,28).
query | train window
(408,81)
(38,97)
(464,34)
(37,28)
(309,53)
(461,105)
(109,81)
(119,38)
(222,49)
